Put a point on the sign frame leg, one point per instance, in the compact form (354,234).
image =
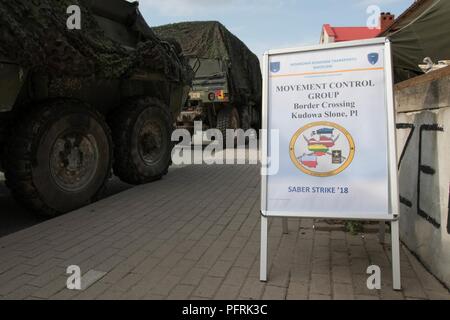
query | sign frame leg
(263,251)
(395,244)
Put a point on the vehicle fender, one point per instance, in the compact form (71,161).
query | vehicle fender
(12,79)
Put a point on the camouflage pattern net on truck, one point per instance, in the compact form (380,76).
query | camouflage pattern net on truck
(34,34)
(211,40)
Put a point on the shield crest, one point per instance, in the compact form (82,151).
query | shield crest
(275,67)
(373,58)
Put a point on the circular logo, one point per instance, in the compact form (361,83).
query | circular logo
(322,149)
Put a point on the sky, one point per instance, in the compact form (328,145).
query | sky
(269,24)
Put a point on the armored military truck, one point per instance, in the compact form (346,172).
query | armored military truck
(76,103)
(226,91)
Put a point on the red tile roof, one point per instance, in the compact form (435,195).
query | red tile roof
(351,33)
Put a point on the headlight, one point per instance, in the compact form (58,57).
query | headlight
(195,95)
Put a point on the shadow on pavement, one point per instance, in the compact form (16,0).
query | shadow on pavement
(14,217)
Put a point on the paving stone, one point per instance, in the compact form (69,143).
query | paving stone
(365,297)
(208,287)
(146,265)
(200,242)
(342,291)
(430,284)
(47,277)
(13,273)
(297,291)
(51,288)
(339,258)
(300,274)
(93,291)
(236,276)
(252,289)
(181,292)
(166,285)
(320,284)
(65,294)
(388,293)
(337,235)
(360,286)
(319,297)
(110,294)
(279,275)
(321,265)
(413,289)
(182,268)
(341,274)
(21,293)
(194,276)
(90,277)
(438,295)
(339,245)
(274,293)
(220,268)
(9,287)
(227,292)
(110,263)
(359,265)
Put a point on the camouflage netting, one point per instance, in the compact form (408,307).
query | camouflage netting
(34,34)
(211,40)
(425,36)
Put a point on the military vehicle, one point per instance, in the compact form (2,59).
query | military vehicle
(75,103)
(226,91)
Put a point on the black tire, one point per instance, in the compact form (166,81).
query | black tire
(256,121)
(58,157)
(246,123)
(228,118)
(245,119)
(142,156)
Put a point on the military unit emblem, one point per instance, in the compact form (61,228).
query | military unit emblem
(322,149)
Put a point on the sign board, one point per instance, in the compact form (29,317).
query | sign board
(333,108)
(329,145)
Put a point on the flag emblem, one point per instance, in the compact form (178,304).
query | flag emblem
(275,67)
(322,149)
(373,58)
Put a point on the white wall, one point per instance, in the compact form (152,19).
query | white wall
(325,38)
(423,129)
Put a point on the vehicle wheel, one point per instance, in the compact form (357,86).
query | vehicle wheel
(142,132)
(59,157)
(256,119)
(228,118)
(245,120)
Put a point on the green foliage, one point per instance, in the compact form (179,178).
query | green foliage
(354,227)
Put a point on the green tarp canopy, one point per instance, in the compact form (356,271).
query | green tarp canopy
(425,35)
(34,34)
(211,40)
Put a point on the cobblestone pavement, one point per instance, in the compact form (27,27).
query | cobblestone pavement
(14,217)
(195,235)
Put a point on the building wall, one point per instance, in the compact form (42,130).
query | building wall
(423,130)
(325,38)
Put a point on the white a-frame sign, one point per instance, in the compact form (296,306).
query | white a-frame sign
(329,148)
